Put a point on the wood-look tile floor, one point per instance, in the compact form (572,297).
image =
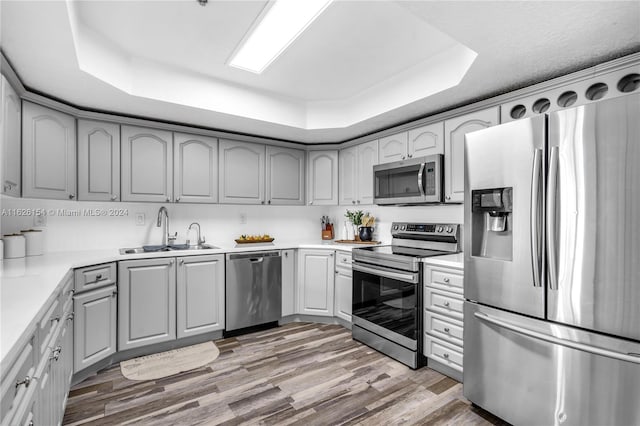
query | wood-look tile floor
(300,373)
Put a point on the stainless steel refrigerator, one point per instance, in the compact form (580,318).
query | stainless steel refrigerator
(552,267)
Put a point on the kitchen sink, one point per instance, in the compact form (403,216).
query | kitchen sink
(173,247)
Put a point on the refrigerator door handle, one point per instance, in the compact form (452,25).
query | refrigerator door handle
(535,217)
(552,188)
(558,341)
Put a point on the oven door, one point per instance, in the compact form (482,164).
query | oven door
(387,302)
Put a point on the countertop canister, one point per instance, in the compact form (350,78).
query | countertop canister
(34,241)
(14,246)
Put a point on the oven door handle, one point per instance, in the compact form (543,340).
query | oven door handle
(408,277)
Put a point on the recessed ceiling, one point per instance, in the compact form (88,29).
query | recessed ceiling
(361,66)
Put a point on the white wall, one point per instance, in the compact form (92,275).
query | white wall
(385,215)
(220,223)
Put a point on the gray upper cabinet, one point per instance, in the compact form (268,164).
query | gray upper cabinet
(356,173)
(49,153)
(98,161)
(200,294)
(195,169)
(393,148)
(322,182)
(10,134)
(146,302)
(242,176)
(147,164)
(454,131)
(426,140)
(285,176)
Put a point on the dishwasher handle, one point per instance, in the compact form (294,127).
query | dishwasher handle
(254,256)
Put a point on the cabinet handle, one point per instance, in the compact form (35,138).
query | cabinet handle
(70,317)
(344,259)
(446,280)
(447,197)
(171,262)
(25,382)
(446,329)
(403,157)
(410,155)
(446,355)
(168,200)
(114,197)
(286,254)
(181,262)
(178,200)
(98,277)
(262,202)
(446,304)
(331,255)
(115,293)
(310,202)
(55,319)
(269,202)
(358,201)
(72,291)
(72,196)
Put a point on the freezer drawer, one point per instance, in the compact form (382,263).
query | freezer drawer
(533,372)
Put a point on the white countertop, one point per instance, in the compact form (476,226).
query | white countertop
(28,283)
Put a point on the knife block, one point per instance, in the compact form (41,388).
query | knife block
(327,235)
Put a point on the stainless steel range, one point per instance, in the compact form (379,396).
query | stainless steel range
(387,288)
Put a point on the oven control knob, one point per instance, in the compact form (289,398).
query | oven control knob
(439,228)
(402,227)
(449,229)
(395,227)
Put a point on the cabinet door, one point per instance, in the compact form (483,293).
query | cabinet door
(315,281)
(323,178)
(347,181)
(95,326)
(147,164)
(288,282)
(195,168)
(285,176)
(366,159)
(98,161)
(455,129)
(49,153)
(426,140)
(200,294)
(10,134)
(146,302)
(393,148)
(241,172)
(344,297)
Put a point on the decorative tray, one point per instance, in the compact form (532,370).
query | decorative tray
(263,240)
(370,243)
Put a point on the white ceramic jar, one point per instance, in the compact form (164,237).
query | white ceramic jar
(34,241)
(14,246)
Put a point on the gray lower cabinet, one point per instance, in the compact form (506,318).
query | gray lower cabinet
(288,282)
(98,161)
(195,169)
(344,284)
(146,302)
(315,282)
(48,153)
(95,328)
(10,138)
(200,294)
(147,164)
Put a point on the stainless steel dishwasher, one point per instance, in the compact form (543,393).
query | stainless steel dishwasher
(253,290)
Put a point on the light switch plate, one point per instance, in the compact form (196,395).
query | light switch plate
(140,219)
(40,220)
(243,218)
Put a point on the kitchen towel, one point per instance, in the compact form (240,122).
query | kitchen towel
(168,363)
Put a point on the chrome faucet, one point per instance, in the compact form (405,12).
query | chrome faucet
(201,241)
(167,239)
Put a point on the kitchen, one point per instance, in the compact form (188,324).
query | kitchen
(55,65)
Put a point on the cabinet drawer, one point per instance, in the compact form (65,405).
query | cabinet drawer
(445,279)
(24,366)
(343,259)
(48,324)
(95,276)
(443,302)
(443,352)
(443,327)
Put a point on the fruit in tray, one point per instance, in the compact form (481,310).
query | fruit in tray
(254,238)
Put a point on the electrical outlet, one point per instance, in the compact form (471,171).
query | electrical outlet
(40,220)
(243,218)
(140,219)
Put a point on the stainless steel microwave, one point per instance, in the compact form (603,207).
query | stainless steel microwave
(412,181)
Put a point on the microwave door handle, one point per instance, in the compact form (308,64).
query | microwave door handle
(420,179)
(535,217)
(552,188)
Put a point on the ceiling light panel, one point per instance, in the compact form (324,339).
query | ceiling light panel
(277,28)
